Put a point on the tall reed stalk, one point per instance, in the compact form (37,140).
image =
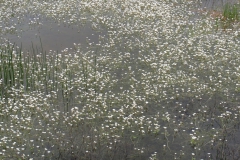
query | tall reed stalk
(11,68)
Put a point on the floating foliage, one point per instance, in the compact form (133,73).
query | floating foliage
(161,84)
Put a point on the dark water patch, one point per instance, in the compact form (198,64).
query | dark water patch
(217,4)
(54,36)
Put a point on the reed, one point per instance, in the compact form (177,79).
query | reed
(228,17)
(11,68)
(231,12)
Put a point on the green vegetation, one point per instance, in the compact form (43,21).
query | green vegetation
(10,75)
(229,17)
(231,12)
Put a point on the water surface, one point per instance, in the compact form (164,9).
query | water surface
(58,36)
(217,4)
(53,36)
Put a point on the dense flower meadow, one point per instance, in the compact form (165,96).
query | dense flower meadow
(163,83)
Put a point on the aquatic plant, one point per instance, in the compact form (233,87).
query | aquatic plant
(231,12)
(228,17)
(162,84)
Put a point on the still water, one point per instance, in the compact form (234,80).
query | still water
(53,36)
(58,36)
(217,4)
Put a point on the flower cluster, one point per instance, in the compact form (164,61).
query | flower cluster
(161,82)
